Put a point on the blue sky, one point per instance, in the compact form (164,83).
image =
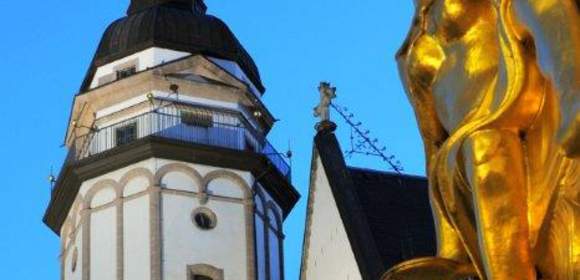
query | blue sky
(46,48)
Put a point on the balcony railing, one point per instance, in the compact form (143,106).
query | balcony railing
(229,132)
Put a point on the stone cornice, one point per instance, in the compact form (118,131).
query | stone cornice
(74,174)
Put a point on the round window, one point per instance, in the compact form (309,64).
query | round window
(204,219)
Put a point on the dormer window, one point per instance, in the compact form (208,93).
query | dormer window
(126,72)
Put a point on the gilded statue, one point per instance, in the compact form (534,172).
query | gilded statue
(495,85)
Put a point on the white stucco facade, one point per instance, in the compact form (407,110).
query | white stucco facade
(142,60)
(103,235)
(153,57)
(328,252)
(139,222)
(162,99)
(144,211)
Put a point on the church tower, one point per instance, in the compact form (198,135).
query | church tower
(169,174)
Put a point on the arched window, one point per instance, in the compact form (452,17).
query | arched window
(268,234)
(275,243)
(204,272)
(260,235)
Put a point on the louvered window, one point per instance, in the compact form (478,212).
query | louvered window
(197,118)
(126,72)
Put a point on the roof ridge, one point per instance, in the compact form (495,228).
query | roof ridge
(386,172)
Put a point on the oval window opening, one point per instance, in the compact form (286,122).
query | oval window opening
(204,219)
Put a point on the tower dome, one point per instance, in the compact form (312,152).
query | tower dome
(180,25)
(170,174)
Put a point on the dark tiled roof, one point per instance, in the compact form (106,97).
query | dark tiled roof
(387,216)
(172,24)
(398,212)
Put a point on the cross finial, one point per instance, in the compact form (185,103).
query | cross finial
(198,6)
(327,94)
(322,111)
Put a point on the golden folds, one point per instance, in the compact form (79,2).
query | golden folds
(495,86)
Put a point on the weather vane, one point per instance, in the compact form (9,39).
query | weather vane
(360,138)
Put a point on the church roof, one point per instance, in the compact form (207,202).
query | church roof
(398,213)
(387,216)
(180,25)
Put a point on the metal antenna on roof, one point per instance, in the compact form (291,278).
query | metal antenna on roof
(363,143)
(289,155)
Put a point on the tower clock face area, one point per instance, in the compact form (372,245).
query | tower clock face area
(169,173)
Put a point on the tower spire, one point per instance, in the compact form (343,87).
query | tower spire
(197,6)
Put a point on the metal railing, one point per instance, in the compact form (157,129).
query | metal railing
(227,133)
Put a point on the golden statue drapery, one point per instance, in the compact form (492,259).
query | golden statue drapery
(495,85)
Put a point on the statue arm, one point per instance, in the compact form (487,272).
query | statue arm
(418,81)
(430,127)
(422,101)
(555,27)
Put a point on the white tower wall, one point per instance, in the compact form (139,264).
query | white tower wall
(136,223)
(142,61)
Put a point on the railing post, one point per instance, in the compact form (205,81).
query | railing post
(221,134)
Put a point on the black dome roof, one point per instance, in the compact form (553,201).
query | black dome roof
(180,25)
